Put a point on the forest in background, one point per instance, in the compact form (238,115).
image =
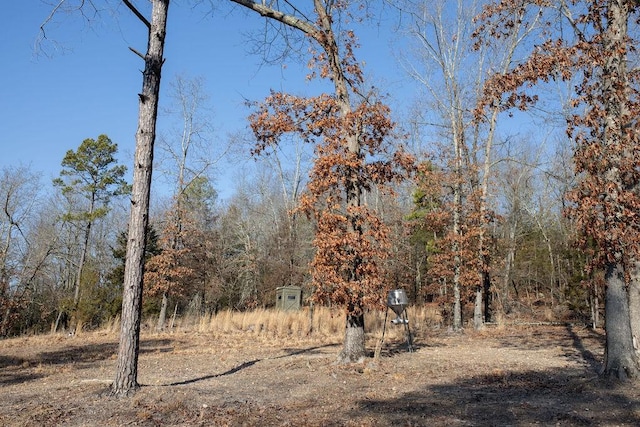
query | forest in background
(483,209)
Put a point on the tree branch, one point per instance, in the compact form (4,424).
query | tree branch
(136,12)
(136,52)
(269,12)
(50,17)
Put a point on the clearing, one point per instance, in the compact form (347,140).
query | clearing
(536,375)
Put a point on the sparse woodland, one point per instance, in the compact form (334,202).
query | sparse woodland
(507,194)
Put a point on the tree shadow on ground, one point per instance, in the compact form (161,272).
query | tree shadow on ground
(569,396)
(551,397)
(584,353)
(582,338)
(10,378)
(539,338)
(208,377)
(6,361)
(310,351)
(288,353)
(16,370)
(395,348)
(77,354)
(91,353)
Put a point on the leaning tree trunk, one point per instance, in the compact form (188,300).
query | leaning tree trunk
(126,380)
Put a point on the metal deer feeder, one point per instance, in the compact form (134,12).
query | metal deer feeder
(397,301)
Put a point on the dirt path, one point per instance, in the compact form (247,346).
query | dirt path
(528,376)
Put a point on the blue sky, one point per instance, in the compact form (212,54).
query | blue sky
(51,103)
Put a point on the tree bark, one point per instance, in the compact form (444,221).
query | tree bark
(83,255)
(457,228)
(478,319)
(634,306)
(162,317)
(353,350)
(126,380)
(620,359)
(595,307)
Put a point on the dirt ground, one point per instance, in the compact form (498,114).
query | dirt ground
(507,377)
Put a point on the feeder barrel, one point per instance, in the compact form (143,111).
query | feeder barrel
(397,300)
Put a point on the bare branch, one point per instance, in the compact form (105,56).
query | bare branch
(136,52)
(136,12)
(564,9)
(43,35)
(269,12)
(49,18)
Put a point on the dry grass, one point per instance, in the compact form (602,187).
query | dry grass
(276,325)
(321,322)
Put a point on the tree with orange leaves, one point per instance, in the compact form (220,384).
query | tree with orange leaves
(353,154)
(170,273)
(605,202)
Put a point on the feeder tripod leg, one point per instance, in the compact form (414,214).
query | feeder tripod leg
(378,350)
(384,325)
(408,331)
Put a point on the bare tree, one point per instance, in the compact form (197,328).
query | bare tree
(290,163)
(18,200)
(126,379)
(445,53)
(188,158)
(18,196)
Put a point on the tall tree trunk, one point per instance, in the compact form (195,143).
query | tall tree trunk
(126,379)
(484,254)
(417,282)
(83,254)
(620,358)
(595,307)
(508,266)
(485,259)
(634,305)
(354,343)
(478,320)
(457,236)
(162,317)
(83,257)
(457,306)
(4,326)
(4,272)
